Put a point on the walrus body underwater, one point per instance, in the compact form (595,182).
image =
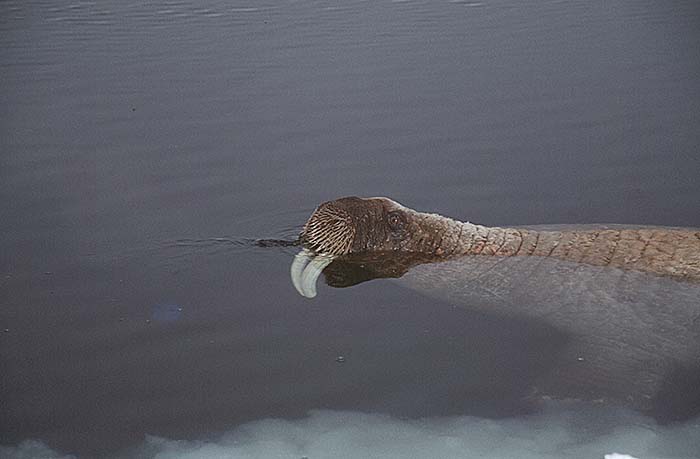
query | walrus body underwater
(628,297)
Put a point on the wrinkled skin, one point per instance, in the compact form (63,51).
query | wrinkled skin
(628,298)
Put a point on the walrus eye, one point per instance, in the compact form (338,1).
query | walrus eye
(395,221)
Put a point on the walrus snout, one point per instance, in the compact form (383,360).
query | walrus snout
(330,229)
(346,225)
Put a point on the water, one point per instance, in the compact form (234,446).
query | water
(135,134)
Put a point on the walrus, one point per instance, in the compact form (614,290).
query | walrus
(628,297)
(355,225)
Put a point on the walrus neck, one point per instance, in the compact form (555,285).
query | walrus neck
(455,238)
(667,252)
(475,239)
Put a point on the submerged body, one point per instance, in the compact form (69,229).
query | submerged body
(633,337)
(627,298)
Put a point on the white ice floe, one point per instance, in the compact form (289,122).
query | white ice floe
(559,433)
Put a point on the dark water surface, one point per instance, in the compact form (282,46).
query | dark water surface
(133,134)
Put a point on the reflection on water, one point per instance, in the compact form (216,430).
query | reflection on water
(353,270)
(133,133)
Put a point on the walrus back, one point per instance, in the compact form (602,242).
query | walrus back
(673,252)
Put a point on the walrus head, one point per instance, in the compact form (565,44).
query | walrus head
(354,226)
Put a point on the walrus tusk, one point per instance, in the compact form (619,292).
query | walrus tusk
(305,270)
(300,261)
(311,273)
